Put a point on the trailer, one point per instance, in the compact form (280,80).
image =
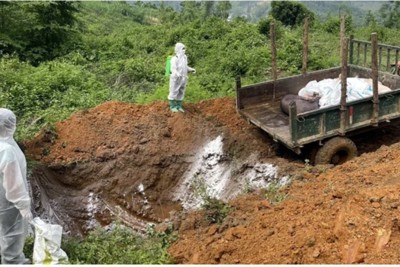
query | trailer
(325,132)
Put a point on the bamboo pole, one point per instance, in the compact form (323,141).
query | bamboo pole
(374,73)
(305,47)
(273,51)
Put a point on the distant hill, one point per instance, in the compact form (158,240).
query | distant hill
(357,9)
(255,10)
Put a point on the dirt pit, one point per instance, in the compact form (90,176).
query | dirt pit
(143,164)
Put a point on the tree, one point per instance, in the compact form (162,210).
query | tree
(12,24)
(53,28)
(36,31)
(223,9)
(191,11)
(208,8)
(290,13)
(390,13)
(370,19)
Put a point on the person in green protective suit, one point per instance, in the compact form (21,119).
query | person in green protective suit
(178,78)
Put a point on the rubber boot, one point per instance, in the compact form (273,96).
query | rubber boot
(179,105)
(173,105)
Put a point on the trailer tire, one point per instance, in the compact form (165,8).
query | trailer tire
(336,151)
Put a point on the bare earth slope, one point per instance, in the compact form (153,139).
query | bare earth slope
(348,214)
(129,162)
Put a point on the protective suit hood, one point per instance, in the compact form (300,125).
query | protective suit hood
(8,123)
(179,49)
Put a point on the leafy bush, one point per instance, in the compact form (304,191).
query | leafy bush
(290,53)
(47,93)
(264,26)
(332,25)
(119,245)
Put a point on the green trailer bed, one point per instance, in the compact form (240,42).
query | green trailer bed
(259,104)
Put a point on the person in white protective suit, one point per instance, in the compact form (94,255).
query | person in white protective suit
(15,202)
(178,78)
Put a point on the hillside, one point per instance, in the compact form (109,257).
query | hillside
(357,9)
(255,10)
(141,164)
(117,51)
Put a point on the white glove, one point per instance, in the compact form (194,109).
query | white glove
(27,215)
(194,71)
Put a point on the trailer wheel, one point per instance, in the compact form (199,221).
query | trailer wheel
(336,151)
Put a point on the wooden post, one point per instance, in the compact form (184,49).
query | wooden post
(342,32)
(374,73)
(343,57)
(273,51)
(365,54)
(343,107)
(293,121)
(305,47)
(351,48)
(238,86)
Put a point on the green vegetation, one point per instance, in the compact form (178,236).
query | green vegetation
(119,245)
(28,247)
(215,210)
(274,193)
(57,58)
(290,13)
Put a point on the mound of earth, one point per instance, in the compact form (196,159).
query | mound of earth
(127,162)
(142,164)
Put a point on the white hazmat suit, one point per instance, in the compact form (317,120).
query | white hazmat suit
(178,78)
(15,203)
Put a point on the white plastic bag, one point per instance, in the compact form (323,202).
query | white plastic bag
(47,246)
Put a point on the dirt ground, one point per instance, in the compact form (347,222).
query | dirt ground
(129,162)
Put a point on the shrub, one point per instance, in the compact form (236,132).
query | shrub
(119,245)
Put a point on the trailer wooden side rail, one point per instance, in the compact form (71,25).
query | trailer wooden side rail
(388,55)
(327,128)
